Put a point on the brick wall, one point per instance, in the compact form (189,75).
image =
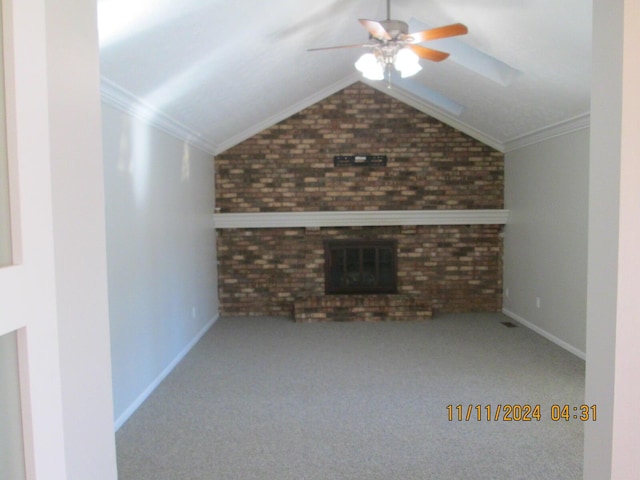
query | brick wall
(289,167)
(264,271)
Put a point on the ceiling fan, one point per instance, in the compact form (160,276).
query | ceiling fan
(393,45)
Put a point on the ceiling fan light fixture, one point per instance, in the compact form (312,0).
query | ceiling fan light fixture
(370,67)
(407,62)
(393,45)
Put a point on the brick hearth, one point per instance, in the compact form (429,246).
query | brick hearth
(365,308)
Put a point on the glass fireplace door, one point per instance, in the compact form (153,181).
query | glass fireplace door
(360,267)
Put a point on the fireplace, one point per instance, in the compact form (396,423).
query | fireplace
(360,266)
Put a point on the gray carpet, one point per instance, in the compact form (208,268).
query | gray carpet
(269,399)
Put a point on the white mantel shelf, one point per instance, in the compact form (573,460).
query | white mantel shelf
(368,218)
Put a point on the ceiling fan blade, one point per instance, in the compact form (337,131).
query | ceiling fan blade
(439,32)
(429,53)
(375,29)
(359,45)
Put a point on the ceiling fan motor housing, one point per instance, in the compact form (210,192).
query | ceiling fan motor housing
(395,28)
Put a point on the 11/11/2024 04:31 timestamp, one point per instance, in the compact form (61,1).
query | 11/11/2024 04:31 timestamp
(510,412)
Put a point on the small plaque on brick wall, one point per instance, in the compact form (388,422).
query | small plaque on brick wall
(360,160)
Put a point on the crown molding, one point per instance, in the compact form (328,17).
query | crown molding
(123,100)
(288,112)
(570,125)
(366,218)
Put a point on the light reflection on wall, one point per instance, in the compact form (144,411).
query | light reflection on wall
(134,157)
(185,166)
(124,147)
(140,161)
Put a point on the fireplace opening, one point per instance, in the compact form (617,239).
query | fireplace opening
(360,266)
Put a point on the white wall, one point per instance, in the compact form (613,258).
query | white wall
(545,243)
(78,204)
(160,251)
(613,306)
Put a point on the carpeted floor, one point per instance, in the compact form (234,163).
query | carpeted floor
(269,399)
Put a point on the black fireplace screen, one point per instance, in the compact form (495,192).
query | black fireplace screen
(360,266)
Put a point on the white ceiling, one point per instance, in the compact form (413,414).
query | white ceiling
(222,71)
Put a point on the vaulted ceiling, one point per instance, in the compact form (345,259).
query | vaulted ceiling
(217,72)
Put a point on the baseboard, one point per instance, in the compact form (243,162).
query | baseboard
(545,334)
(147,391)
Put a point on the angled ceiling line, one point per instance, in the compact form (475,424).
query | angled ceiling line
(288,112)
(439,114)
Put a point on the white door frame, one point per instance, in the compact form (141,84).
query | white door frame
(27,288)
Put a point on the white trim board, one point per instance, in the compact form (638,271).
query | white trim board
(158,380)
(372,218)
(124,101)
(561,343)
(557,129)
